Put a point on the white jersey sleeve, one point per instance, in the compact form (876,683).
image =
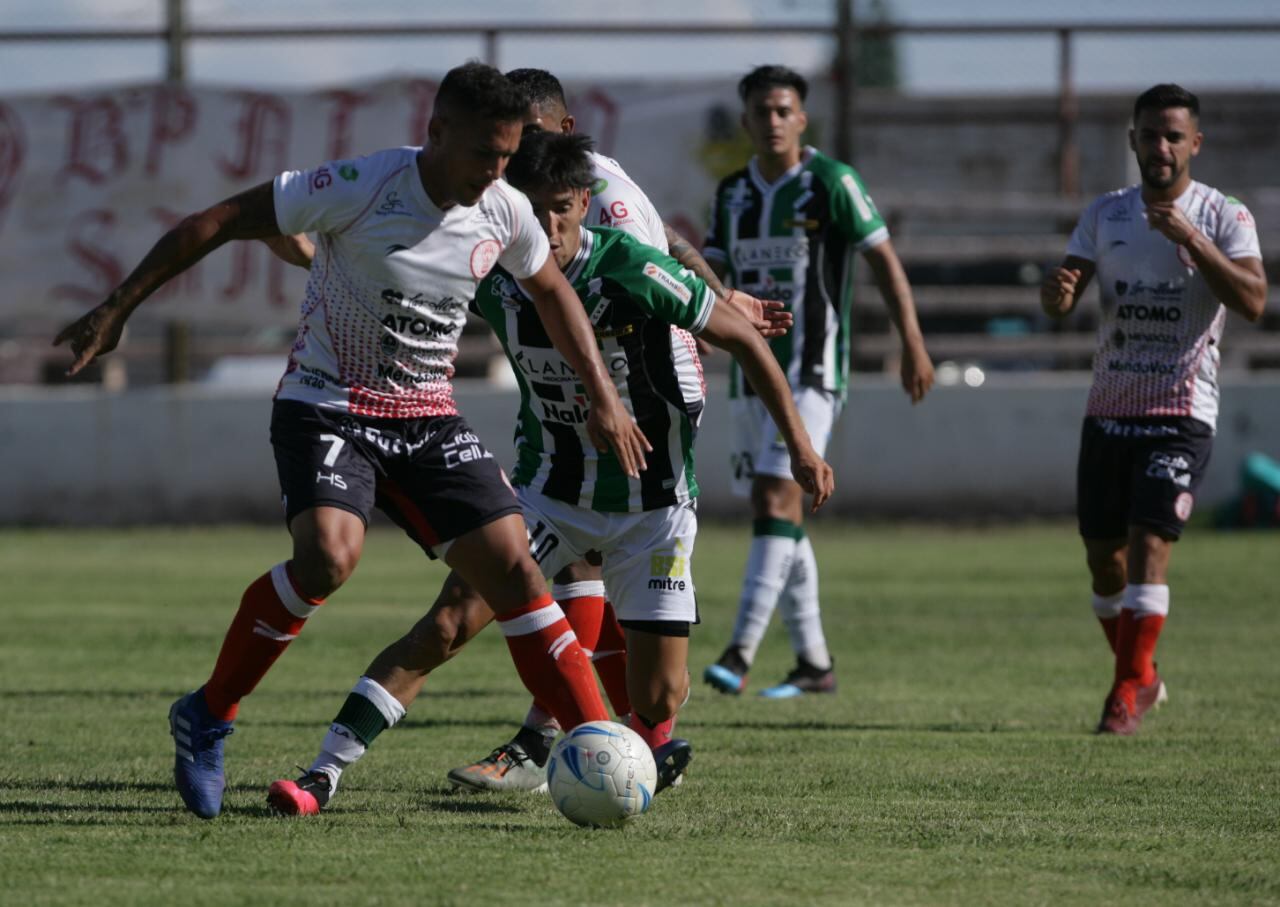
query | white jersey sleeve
(331,197)
(1237,234)
(617,202)
(1084,239)
(527,250)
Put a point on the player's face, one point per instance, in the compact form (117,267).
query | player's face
(473,153)
(774,121)
(561,211)
(1164,142)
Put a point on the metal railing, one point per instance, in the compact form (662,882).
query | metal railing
(844,30)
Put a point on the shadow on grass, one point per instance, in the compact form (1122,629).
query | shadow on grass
(408,723)
(36,806)
(469,803)
(947,727)
(92,786)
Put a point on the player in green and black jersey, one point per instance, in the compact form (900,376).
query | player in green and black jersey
(575,497)
(789,227)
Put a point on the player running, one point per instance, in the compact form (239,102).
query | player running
(364,414)
(786,227)
(1171,256)
(617,202)
(576,499)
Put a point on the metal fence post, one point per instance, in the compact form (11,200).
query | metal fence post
(177,336)
(845,81)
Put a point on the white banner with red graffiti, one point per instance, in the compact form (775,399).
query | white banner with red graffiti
(90,180)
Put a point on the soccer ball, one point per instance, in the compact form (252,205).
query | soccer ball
(601,774)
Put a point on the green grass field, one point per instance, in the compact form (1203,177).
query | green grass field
(956,764)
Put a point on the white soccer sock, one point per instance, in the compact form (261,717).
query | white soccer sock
(800,611)
(1108,606)
(582,589)
(768,564)
(342,747)
(1146,599)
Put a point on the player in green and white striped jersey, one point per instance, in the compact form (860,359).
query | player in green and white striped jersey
(574,496)
(787,227)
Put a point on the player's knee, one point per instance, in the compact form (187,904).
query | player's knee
(775,498)
(322,568)
(1106,565)
(437,637)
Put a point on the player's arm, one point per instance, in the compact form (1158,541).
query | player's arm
(1239,284)
(608,422)
(297,249)
(895,290)
(1062,287)
(727,329)
(249,215)
(769,317)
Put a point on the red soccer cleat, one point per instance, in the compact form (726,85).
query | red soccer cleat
(304,797)
(1119,716)
(1151,696)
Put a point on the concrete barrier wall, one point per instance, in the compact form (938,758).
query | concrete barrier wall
(81,457)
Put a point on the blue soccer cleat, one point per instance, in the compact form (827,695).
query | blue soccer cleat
(804,678)
(197,764)
(729,673)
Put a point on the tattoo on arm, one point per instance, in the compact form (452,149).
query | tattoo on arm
(683,251)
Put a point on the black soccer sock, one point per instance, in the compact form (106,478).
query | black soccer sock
(535,743)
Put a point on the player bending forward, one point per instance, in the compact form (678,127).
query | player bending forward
(616,201)
(364,413)
(1169,254)
(574,498)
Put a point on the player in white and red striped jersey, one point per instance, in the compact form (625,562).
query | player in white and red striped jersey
(364,414)
(1171,255)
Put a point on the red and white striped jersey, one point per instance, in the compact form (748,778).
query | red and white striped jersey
(1158,336)
(391,281)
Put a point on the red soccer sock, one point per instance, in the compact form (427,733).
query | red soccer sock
(584,614)
(1111,627)
(656,734)
(1136,647)
(610,660)
(551,663)
(272,612)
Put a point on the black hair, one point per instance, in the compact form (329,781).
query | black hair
(763,78)
(1165,96)
(538,85)
(477,89)
(552,160)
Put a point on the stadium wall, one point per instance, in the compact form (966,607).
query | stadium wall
(77,456)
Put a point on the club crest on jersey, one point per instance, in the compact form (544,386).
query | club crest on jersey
(669,283)
(484,256)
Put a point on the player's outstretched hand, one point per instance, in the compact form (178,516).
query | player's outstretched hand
(92,335)
(610,426)
(814,475)
(768,316)
(1058,290)
(917,373)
